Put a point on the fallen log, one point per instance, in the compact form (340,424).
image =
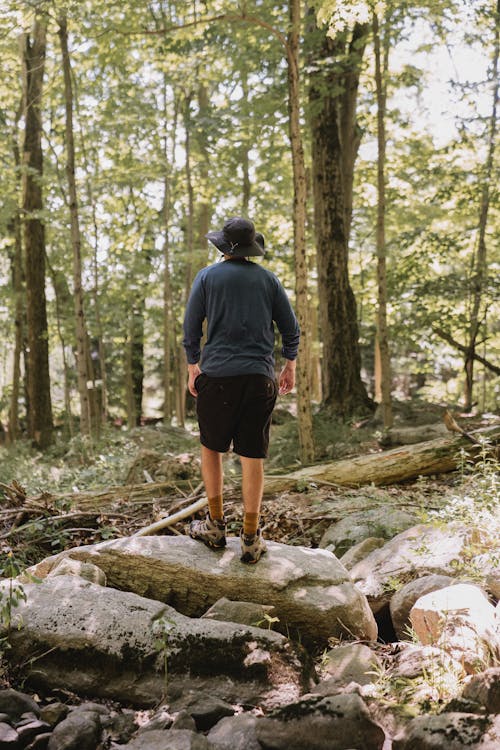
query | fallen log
(388,467)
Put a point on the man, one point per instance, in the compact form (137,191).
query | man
(235,386)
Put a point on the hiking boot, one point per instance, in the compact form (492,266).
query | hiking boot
(212,533)
(252,547)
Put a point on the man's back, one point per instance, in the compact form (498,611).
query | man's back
(240,301)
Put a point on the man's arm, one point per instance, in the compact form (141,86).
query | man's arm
(193,328)
(289,329)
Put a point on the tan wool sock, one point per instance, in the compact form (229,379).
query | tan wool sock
(215,508)
(250,523)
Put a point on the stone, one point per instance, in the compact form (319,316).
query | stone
(113,644)
(170,739)
(184,720)
(119,726)
(450,731)
(15,704)
(351,662)
(207,710)
(162,719)
(419,551)
(356,527)
(235,733)
(246,613)
(53,713)
(415,660)
(360,550)
(27,732)
(80,730)
(9,738)
(311,590)
(88,571)
(321,723)
(460,620)
(484,688)
(404,599)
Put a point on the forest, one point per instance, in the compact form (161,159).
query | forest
(362,144)
(360,138)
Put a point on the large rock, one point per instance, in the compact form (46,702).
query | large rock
(350,662)
(171,739)
(484,689)
(311,590)
(333,723)
(404,599)
(103,642)
(81,730)
(420,551)
(354,528)
(235,733)
(450,731)
(460,620)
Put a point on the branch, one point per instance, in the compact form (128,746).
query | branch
(465,349)
(229,17)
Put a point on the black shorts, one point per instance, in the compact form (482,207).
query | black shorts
(236,409)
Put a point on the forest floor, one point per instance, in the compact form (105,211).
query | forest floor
(156,453)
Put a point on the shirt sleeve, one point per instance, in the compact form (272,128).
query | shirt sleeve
(193,320)
(287,323)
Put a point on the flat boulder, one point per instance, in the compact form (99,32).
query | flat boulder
(311,590)
(79,636)
(450,731)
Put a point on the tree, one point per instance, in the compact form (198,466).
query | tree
(480,262)
(335,65)
(83,360)
(383,386)
(40,423)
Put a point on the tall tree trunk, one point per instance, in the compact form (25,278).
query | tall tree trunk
(480,265)
(299,231)
(245,152)
(335,142)
(382,338)
(203,207)
(85,376)
(18,288)
(40,425)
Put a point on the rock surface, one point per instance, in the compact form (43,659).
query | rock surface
(310,588)
(450,731)
(404,599)
(356,527)
(419,551)
(460,620)
(104,642)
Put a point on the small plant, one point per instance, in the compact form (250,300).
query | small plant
(11,594)
(162,629)
(269,620)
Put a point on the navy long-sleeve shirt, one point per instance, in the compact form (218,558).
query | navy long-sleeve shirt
(241,301)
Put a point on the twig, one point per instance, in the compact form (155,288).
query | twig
(169,520)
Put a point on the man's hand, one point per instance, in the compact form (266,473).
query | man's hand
(287,378)
(193,372)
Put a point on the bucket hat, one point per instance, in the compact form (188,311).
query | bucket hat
(238,237)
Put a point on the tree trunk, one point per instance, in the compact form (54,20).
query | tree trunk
(335,141)
(85,376)
(304,413)
(18,288)
(480,265)
(382,338)
(389,467)
(40,425)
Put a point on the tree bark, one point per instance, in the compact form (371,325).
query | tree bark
(85,376)
(382,337)
(480,265)
(18,288)
(334,79)
(304,413)
(40,425)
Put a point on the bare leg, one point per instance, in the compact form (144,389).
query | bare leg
(252,483)
(211,471)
